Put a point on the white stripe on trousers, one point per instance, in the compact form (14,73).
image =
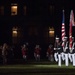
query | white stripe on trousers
(59,59)
(73,57)
(56,56)
(66,59)
(63,56)
(70,57)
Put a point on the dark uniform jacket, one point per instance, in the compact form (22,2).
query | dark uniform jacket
(73,48)
(58,48)
(66,49)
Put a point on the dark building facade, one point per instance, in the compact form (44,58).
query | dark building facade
(35,22)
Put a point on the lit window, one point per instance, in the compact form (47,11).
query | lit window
(14,32)
(1,10)
(51,32)
(14,9)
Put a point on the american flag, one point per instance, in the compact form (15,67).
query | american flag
(63,28)
(70,29)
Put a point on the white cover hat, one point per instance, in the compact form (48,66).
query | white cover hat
(65,37)
(57,38)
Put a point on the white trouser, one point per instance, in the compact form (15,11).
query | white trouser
(56,56)
(73,57)
(63,56)
(70,57)
(37,57)
(59,59)
(66,59)
(24,56)
(50,57)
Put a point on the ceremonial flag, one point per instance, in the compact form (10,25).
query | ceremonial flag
(63,28)
(70,28)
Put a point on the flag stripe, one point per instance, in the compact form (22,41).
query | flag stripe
(63,29)
(70,29)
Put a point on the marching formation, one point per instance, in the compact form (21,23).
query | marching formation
(59,53)
(63,54)
(65,50)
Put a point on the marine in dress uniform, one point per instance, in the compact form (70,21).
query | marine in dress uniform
(72,52)
(62,53)
(55,49)
(58,50)
(59,54)
(66,51)
(73,55)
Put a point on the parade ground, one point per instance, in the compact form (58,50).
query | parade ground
(38,68)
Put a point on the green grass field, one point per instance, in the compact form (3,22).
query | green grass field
(37,66)
(37,69)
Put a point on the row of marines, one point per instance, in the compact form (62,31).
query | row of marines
(64,53)
(61,53)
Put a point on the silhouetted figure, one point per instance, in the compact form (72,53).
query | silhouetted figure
(4,53)
(24,52)
(37,53)
(50,53)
